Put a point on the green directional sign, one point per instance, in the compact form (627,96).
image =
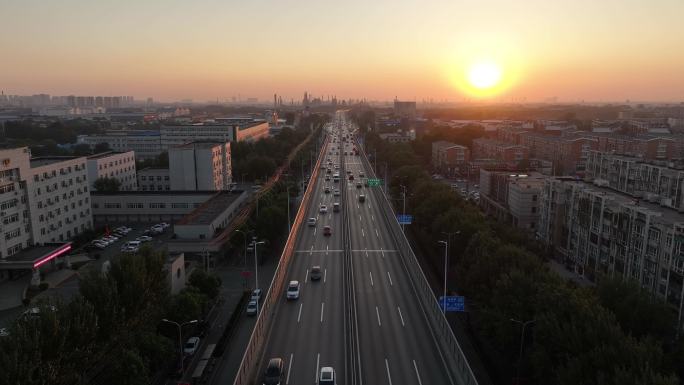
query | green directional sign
(374,182)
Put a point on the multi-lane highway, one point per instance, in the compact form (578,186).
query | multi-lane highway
(378,334)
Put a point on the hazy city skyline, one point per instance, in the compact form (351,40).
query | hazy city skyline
(594,51)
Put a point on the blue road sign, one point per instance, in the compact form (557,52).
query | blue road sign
(404,219)
(453,303)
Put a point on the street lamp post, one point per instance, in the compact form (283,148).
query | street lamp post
(180,336)
(522,341)
(403,211)
(446,259)
(256,267)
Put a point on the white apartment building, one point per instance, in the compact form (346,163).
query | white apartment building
(43,201)
(145,144)
(14,207)
(599,232)
(200,165)
(115,165)
(59,198)
(154,179)
(658,182)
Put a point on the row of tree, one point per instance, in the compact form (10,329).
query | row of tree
(612,334)
(111,332)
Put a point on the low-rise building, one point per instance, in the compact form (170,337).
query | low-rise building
(114,165)
(154,179)
(512,197)
(145,206)
(202,229)
(144,143)
(399,136)
(493,149)
(447,157)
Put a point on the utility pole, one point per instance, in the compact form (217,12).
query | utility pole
(403,212)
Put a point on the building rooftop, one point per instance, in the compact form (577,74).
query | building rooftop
(47,160)
(153,193)
(209,210)
(200,144)
(105,154)
(667,215)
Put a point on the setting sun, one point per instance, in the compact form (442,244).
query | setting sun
(484,75)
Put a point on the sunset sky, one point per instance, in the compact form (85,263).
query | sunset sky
(596,50)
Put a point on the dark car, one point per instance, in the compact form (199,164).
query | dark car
(351,177)
(315,273)
(274,372)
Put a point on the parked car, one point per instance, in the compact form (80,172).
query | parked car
(191,346)
(144,238)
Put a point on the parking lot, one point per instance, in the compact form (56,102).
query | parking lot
(113,251)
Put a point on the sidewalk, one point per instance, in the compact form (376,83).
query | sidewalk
(233,285)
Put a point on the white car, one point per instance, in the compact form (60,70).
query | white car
(252,307)
(337,192)
(323,209)
(191,346)
(256,295)
(164,225)
(99,244)
(327,376)
(311,221)
(293,290)
(157,229)
(144,238)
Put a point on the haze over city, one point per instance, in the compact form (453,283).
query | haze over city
(203,50)
(385,192)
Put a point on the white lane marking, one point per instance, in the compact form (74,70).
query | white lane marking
(366,253)
(325,274)
(359,218)
(382,252)
(372,217)
(371,277)
(306,277)
(299,316)
(322,307)
(389,378)
(401,316)
(326,249)
(289,367)
(376,233)
(357,206)
(417,374)
(318,358)
(362,233)
(314,235)
(377,313)
(311,251)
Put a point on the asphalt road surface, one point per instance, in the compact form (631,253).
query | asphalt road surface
(395,345)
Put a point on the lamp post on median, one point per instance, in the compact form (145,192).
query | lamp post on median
(522,341)
(256,267)
(403,211)
(446,259)
(180,336)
